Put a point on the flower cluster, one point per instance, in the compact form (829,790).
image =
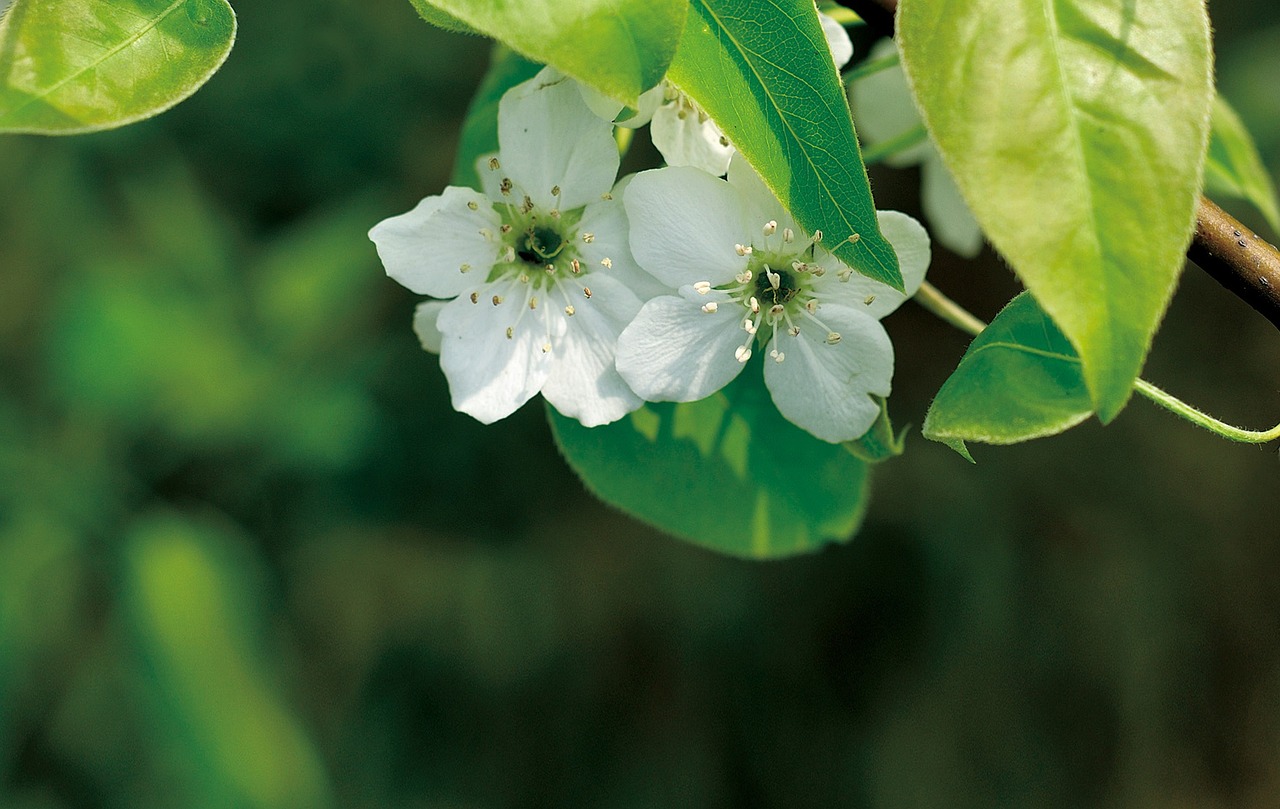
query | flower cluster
(659,287)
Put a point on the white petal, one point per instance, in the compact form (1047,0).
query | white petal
(953,222)
(883,109)
(549,137)
(426,248)
(760,203)
(684,226)
(910,241)
(584,384)
(686,138)
(837,40)
(675,352)
(610,248)
(490,178)
(609,109)
(601,105)
(491,375)
(825,389)
(424,324)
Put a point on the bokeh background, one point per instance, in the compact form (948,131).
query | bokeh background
(250,558)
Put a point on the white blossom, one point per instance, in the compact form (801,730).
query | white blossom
(681,131)
(746,278)
(883,110)
(533,279)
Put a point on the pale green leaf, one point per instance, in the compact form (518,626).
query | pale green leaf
(620,47)
(728,473)
(765,75)
(1235,168)
(1020,379)
(1076,130)
(69,66)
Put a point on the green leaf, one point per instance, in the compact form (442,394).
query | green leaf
(1020,379)
(480,128)
(880,442)
(620,47)
(442,19)
(764,73)
(1076,130)
(70,66)
(727,473)
(1234,168)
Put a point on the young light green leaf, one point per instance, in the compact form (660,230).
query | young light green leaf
(441,19)
(1020,379)
(619,47)
(480,127)
(70,66)
(1234,168)
(1076,130)
(880,442)
(727,473)
(764,73)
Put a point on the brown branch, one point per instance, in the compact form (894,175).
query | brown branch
(1231,253)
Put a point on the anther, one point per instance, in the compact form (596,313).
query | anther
(511,332)
(587,291)
(702,287)
(742,250)
(817,236)
(833,337)
(473,206)
(588,238)
(776,310)
(811,306)
(533,302)
(794,331)
(606,196)
(575,266)
(465,268)
(555,213)
(710,307)
(788,235)
(546,348)
(607,263)
(497,300)
(769,228)
(494,165)
(775,280)
(754,305)
(504,229)
(555,190)
(475,297)
(870,299)
(855,238)
(526,205)
(777,355)
(749,326)
(569,310)
(505,185)
(742,354)
(524,279)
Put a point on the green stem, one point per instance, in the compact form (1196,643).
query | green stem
(953,313)
(870,67)
(898,143)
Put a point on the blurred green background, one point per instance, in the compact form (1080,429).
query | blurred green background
(250,558)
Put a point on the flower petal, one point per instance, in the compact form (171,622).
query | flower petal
(910,241)
(953,222)
(609,250)
(550,138)
(426,248)
(837,40)
(684,225)
(424,325)
(675,352)
(760,203)
(608,109)
(584,384)
(491,375)
(826,389)
(687,138)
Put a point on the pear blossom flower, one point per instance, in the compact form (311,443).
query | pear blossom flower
(883,110)
(681,131)
(745,276)
(533,279)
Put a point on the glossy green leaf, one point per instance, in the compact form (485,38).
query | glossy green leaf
(480,128)
(728,473)
(1020,379)
(69,66)
(764,73)
(620,47)
(1076,130)
(1234,167)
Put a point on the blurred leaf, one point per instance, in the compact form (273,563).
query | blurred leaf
(200,632)
(1020,379)
(1235,168)
(881,442)
(620,47)
(728,473)
(480,128)
(1079,146)
(764,73)
(69,66)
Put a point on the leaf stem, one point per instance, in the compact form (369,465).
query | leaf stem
(898,143)
(929,297)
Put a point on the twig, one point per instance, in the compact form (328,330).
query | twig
(1228,251)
